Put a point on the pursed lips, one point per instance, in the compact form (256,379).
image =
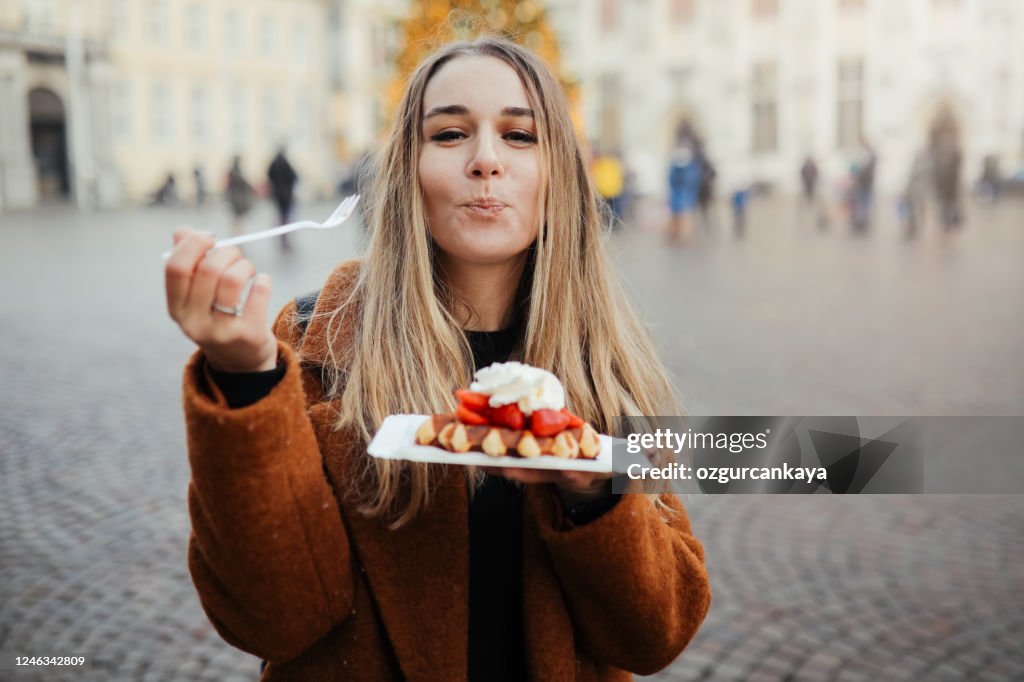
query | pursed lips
(486,208)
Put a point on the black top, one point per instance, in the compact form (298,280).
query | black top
(496,639)
(496,648)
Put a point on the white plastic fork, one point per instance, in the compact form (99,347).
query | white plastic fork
(340,215)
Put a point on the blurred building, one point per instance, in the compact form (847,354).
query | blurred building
(101,99)
(767,82)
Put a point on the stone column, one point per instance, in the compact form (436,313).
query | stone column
(106,178)
(18,185)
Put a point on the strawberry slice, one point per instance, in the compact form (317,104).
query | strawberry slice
(509,416)
(468,416)
(548,422)
(574,421)
(477,402)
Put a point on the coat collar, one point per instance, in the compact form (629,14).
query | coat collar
(340,286)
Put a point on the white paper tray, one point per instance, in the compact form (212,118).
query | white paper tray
(396,439)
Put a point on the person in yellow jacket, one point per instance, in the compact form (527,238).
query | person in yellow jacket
(609,180)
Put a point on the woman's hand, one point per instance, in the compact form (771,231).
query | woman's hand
(196,280)
(573,486)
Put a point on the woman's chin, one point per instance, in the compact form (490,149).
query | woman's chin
(485,255)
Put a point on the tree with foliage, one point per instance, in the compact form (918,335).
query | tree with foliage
(431,23)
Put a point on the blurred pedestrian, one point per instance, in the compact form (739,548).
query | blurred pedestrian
(988,185)
(282,179)
(863,187)
(706,190)
(167,193)
(627,200)
(240,195)
(684,177)
(740,199)
(809,179)
(812,203)
(946,160)
(915,196)
(200,182)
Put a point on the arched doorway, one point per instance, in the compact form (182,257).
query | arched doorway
(49,143)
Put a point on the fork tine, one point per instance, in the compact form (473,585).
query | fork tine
(338,211)
(355,202)
(334,213)
(352,205)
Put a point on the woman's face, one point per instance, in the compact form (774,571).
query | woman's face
(479,167)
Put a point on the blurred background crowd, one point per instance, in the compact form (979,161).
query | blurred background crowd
(111,102)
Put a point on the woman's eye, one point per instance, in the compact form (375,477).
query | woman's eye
(521,136)
(447,136)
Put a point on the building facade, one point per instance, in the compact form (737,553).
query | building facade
(102,99)
(768,82)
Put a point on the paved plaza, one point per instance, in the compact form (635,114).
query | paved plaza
(788,320)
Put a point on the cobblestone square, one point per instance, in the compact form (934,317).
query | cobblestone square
(790,320)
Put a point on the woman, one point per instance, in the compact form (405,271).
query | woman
(331,564)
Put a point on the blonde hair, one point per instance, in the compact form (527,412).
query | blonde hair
(409,352)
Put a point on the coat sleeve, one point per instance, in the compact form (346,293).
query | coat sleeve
(634,578)
(268,552)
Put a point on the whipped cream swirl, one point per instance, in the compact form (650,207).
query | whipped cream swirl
(529,387)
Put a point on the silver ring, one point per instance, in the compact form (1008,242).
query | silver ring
(237,311)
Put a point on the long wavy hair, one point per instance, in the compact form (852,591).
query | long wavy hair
(410,352)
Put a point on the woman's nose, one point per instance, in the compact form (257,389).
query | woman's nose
(485,162)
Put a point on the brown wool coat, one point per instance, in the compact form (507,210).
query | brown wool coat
(290,572)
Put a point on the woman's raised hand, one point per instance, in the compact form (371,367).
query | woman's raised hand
(205,297)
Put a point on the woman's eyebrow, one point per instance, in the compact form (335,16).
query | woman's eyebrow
(450,110)
(517,112)
(459,110)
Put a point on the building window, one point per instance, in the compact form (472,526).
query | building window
(765,107)
(41,16)
(850,109)
(158,22)
(301,47)
(271,117)
(161,113)
(682,12)
(611,119)
(122,110)
(302,131)
(195,26)
(238,106)
(119,19)
(679,84)
(765,9)
(200,115)
(233,39)
(268,37)
(609,15)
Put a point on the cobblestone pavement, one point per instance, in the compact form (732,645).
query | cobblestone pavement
(93,474)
